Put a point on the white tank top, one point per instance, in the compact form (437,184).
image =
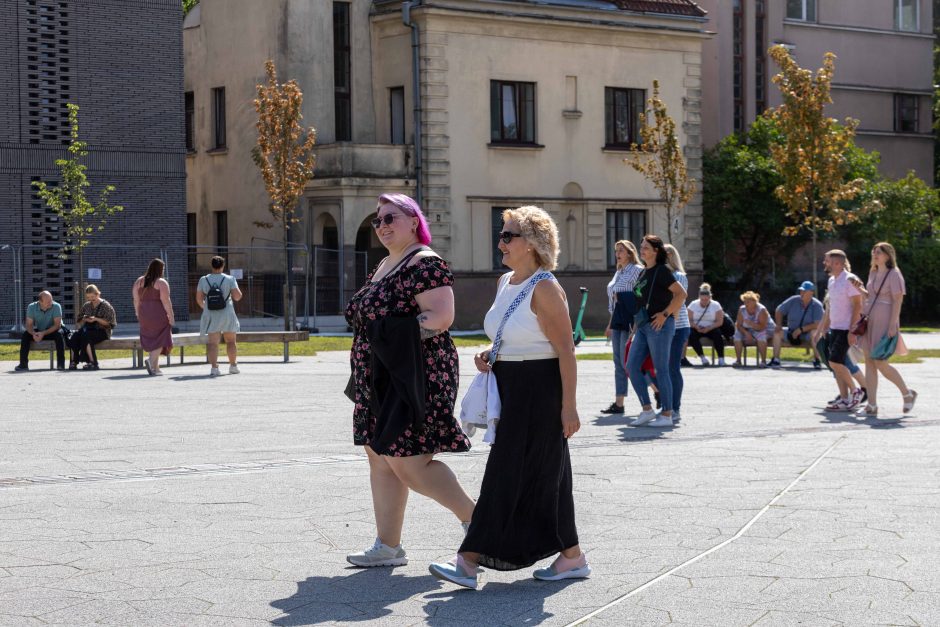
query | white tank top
(522,334)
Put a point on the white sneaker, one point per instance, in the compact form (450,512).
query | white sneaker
(705,361)
(233,369)
(456,571)
(661,421)
(643,418)
(379,555)
(215,372)
(721,361)
(856,397)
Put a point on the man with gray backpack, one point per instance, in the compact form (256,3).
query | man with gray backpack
(216,293)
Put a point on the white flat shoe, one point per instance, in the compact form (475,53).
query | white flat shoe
(909,399)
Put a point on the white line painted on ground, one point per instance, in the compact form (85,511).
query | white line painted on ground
(717,547)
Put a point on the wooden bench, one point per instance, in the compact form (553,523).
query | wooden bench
(181,340)
(770,347)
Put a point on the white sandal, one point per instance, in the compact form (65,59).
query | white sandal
(909,399)
(870,411)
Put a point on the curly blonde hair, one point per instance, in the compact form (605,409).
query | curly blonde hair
(750,295)
(539,230)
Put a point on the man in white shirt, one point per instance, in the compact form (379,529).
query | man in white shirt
(845,309)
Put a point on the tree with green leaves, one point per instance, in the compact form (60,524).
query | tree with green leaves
(284,155)
(743,217)
(188,5)
(910,220)
(810,156)
(659,158)
(68,198)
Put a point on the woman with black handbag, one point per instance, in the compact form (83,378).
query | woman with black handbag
(621,303)
(408,292)
(95,322)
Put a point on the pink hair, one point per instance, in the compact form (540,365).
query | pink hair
(409,207)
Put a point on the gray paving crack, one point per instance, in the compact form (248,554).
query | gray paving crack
(743,530)
(594,442)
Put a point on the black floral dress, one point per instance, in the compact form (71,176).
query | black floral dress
(396,294)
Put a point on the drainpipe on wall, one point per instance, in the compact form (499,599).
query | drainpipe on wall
(416,92)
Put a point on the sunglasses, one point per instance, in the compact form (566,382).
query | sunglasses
(387,219)
(506,236)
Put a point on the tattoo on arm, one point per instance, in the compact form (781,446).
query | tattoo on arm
(427,333)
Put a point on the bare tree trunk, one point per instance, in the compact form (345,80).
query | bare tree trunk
(669,222)
(287,276)
(815,262)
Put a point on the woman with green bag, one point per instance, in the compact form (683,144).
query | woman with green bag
(884,294)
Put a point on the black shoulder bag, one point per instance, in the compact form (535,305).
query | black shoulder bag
(350,390)
(795,338)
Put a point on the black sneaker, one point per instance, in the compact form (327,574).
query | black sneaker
(613,409)
(21,368)
(685,363)
(774,363)
(817,364)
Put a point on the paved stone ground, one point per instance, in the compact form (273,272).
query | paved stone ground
(128,500)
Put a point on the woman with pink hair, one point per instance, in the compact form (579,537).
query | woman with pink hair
(411,282)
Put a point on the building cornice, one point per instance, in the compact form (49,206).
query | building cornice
(519,200)
(573,16)
(877,133)
(857,29)
(878,89)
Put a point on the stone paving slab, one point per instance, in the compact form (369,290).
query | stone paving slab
(189,501)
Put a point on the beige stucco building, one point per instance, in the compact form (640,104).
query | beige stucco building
(884,69)
(520,102)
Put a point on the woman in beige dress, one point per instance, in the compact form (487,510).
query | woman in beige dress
(884,293)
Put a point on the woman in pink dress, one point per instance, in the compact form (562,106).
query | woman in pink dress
(155,313)
(884,293)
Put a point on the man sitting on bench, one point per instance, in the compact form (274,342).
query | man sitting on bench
(803,312)
(43,321)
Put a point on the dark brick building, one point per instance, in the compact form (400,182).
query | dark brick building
(121,62)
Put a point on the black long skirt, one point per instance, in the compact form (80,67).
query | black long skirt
(525,512)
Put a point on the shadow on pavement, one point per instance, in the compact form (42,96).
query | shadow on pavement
(360,596)
(190,377)
(608,420)
(125,377)
(517,603)
(644,434)
(833,417)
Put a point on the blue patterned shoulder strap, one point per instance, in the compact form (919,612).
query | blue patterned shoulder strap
(540,275)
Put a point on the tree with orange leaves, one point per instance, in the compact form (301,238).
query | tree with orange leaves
(811,156)
(659,158)
(284,155)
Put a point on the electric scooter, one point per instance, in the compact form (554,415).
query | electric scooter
(578,333)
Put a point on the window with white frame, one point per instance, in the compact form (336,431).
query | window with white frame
(907,15)
(803,10)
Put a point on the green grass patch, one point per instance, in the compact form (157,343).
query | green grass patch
(920,329)
(11,352)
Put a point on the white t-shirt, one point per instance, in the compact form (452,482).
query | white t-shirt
(703,316)
(841,292)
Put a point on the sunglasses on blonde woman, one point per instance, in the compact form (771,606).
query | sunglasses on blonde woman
(506,236)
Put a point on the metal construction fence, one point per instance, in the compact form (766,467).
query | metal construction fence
(318,285)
